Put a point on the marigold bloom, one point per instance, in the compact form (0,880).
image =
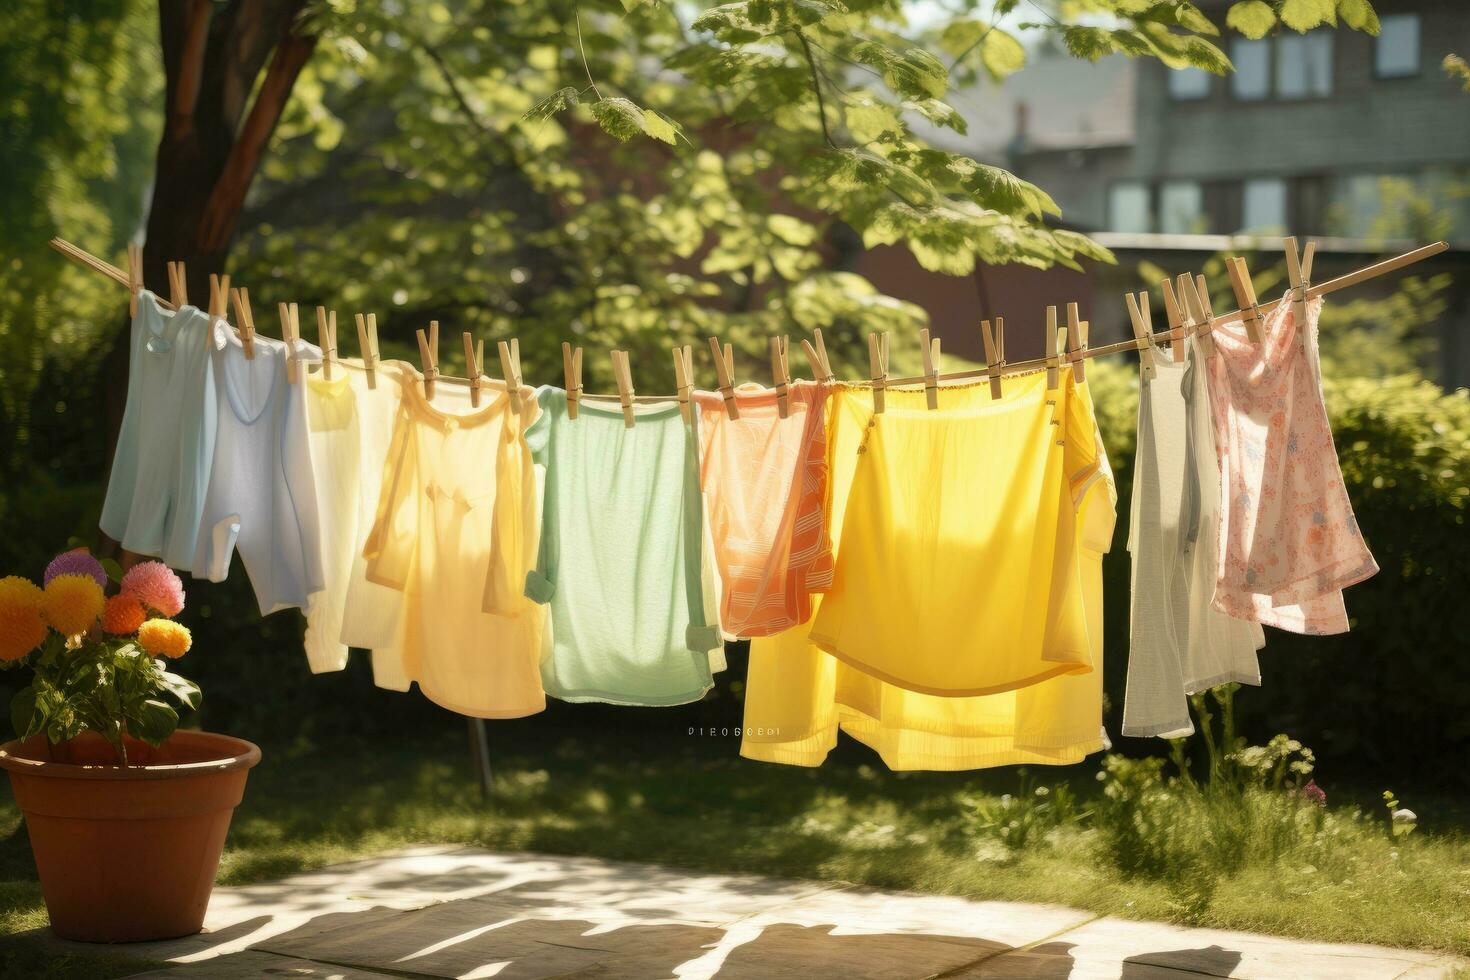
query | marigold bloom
(22,625)
(78,561)
(156,586)
(164,638)
(72,603)
(122,615)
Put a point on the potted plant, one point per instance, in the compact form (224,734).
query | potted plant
(126,813)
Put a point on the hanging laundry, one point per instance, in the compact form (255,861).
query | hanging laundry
(160,469)
(798,696)
(261,499)
(1180,643)
(452,535)
(1289,543)
(351,425)
(764,480)
(958,575)
(622,558)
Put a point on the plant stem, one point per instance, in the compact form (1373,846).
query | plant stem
(577,15)
(811,63)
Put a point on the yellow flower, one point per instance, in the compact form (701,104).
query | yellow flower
(22,627)
(72,603)
(164,638)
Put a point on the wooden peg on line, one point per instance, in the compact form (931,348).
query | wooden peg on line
(725,374)
(1299,277)
(995,353)
(1076,342)
(816,356)
(246,319)
(290,333)
(878,368)
(1245,298)
(429,356)
(510,368)
(474,366)
(326,338)
(367,345)
(135,276)
(1138,316)
(571,366)
(1176,321)
(684,379)
(624,378)
(219,292)
(781,374)
(1053,348)
(1196,297)
(178,286)
(929,348)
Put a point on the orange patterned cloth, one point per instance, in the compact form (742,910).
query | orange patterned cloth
(765,483)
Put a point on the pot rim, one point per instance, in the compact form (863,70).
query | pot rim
(246,755)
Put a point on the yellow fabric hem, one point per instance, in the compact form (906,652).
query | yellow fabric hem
(827,645)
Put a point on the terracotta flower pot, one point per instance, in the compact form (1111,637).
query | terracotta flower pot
(127,854)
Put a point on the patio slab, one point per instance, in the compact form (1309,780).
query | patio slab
(466,913)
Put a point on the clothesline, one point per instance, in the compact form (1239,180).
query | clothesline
(1137,343)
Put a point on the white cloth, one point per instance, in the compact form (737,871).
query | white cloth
(351,426)
(1179,644)
(261,499)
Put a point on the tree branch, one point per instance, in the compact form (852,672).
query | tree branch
(811,62)
(191,69)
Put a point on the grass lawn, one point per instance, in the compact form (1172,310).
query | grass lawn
(691,802)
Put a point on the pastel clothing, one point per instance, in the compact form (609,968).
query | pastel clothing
(261,499)
(453,534)
(1289,543)
(160,468)
(1179,643)
(798,696)
(958,571)
(765,480)
(621,562)
(351,425)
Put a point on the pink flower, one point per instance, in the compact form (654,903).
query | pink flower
(156,586)
(78,561)
(1313,793)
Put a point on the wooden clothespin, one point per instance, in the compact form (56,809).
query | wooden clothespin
(326,338)
(1138,316)
(367,344)
(135,276)
(878,368)
(1176,321)
(816,356)
(219,291)
(290,333)
(929,348)
(995,353)
(571,365)
(1195,293)
(1299,276)
(684,379)
(1245,297)
(725,373)
(624,378)
(510,368)
(1076,342)
(429,356)
(1054,347)
(178,285)
(474,367)
(781,374)
(246,320)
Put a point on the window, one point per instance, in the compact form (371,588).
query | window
(1396,52)
(1128,209)
(1304,65)
(1181,208)
(1189,83)
(1252,79)
(1263,205)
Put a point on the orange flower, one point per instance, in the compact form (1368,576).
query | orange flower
(164,638)
(22,626)
(122,615)
(72,603)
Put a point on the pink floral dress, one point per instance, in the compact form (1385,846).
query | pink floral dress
(1289,543)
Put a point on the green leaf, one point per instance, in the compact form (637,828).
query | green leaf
(912,72)
(152,721)
(1252,18)
(1002,54)
(659,126)
(619,118)
(182,688)
(1303,15)
(792,231)
(112,568)
(23,716)
(1359,15)
(1188,16)
(558,101)
(1089,43)
(939,113)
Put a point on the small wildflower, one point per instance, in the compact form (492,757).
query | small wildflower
(1313,793)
